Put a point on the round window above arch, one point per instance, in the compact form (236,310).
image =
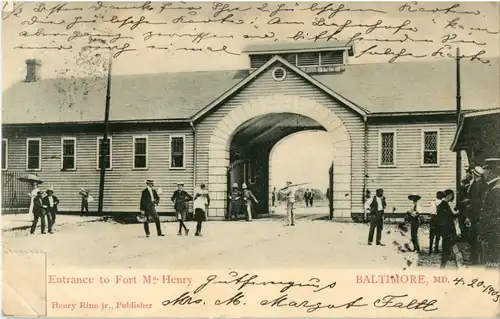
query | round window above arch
(279,74)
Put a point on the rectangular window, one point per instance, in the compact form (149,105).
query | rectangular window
(177,152)
(430,152)
(108,154)
(68,153)
(140,152)
(5,149)
(387,149)
(33,153)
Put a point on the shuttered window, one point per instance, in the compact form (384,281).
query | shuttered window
(177,152)
(332,58)
(33,153)
(387,149)
(140,152)
(108,154)
(68,153)
(256,61)
(5,149)
(430,151)
(308,59)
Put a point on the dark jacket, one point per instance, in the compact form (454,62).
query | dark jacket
(181,199)
(489,218)
(47,203)
(38,209)
(374,205)
(477,193)
(445,219)
(146,203)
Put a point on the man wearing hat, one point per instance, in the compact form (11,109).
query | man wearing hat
(477,190)
(39,213)
(248,200)
(181,199)
(51,202)
(375,206)
(149,202)
(413,217)
(463,201)
(234,203)
(489,218)
(85,201)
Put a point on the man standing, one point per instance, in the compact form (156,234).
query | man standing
(434,236)
(39,213)
(413,217)
(273,197)
(447,230)
(234,203)
(477,191)
(51,201)
(248,200)
(149,202)
(85,201)
(181,199)
(289,193)
(307,195)
(311,198)
(376,206)
(489,218)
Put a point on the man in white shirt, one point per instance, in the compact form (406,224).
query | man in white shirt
(375,207)
(289,193)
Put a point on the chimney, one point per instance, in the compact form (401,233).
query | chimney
(33,70)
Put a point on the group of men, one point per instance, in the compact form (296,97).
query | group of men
(309,197)
(477,211)
(150,201)
(43,208)
(240,199)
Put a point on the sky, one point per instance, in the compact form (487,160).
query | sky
(297,158)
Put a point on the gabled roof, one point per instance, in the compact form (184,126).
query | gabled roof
(256,73)
(378,89)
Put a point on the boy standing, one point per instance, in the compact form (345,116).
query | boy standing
(434,236)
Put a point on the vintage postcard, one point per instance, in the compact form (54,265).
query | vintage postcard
(251,159)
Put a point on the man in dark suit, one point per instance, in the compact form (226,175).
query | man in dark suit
(39,213)
(149,201)
(446,228)
(181,198)
(376,206)
(489,217)
(477,191)
(51,201)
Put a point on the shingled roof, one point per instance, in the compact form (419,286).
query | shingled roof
(378,88)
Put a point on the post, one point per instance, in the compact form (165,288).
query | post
(104,148)
(459,109)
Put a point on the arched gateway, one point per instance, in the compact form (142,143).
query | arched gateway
(226,128)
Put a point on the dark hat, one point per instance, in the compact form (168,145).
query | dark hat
(380,190)
(414,196)
(150,181)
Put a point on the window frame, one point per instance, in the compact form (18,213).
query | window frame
(39,140)
(134,138)
(394,148)
(422,146)
(171,137)
(6,140)
(68,138)
(110,153)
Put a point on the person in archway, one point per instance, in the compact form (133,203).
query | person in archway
(307,194)
(248,200)
(311,198)
(375,206)
(289,193)
(273,197)
(234,202)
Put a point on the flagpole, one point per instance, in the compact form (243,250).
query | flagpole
(459,110)
(105,144)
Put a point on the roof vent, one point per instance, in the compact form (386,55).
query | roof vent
(33,70)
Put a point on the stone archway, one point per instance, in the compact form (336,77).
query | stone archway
(226,128)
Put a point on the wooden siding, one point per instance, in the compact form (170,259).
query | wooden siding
(295,85)
(123,184)
(409,175)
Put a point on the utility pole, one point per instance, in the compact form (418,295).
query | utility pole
(459,109)
(105,144)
